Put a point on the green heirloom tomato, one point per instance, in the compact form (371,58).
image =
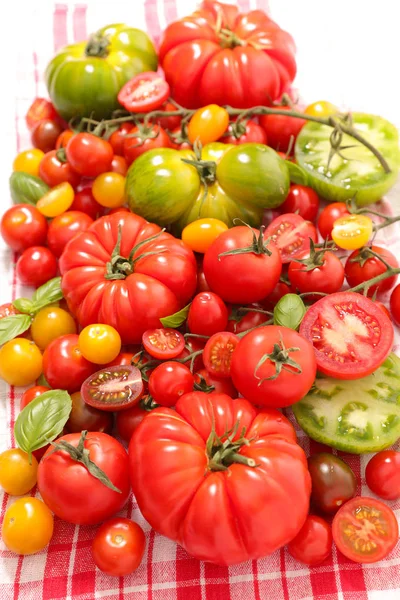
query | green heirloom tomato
(175,187)
(84,79)
(26,188)
(355,172)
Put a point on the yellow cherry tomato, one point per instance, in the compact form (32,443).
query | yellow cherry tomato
(27,526)
(322,108)
(200,234)
(20,362)
(58,200)
(17,476)
(50,323)
(28,161)
(208,124)
(352,231)
(109,189)
(99,343)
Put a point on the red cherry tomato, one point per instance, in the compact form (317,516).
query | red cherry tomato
(31,394)
(89,155)
(85,202)
(118,137)
(119,165)
(383,474)
(23,226)
(328,216)
(144,92)
(303,201)
(281,131)
(291,234)
(206,382)
(118,547)
(395,304)
(64,138)
(362,265)
(327,277)
(169,381)
(123,359)
(64,227)
(145,140)
(218,351)
(64,367)
(245,133)
(179,141)
(170,123)
(127,421)
(207,314)
(53,171)
(313,544)
(241,320)
(36,265)
(163,344)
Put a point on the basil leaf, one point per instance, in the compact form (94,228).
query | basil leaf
(297,174)
(11,327)
(289,311)
(47,294)
(42,420)
(24,305)
(43,381)
(176,319)
(26,188)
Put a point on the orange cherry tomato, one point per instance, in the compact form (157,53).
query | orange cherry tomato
(208,124)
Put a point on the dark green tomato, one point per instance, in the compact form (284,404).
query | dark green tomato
(26,188)
(84,79)
(333,482)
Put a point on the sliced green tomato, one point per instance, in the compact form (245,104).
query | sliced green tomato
(354,416)
(359,174)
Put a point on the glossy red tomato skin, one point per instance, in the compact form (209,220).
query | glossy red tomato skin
(23,226)
(84,202)
(118,547)
(291,234)
(313,544)
(163,344)
(280,129)
(160,285)
(64,227)
(371,352)
(123,359)
(64,138)
(53,171)
(384,308)
(169,381)
(144,92)
(383,474)
(36,265)
(253,133)
(32,393)
(135,146)
(247,319)
(117,138)
(169,123)
(127,421)
(208,314)
(328,216)
(303,200)
(180,437)
(281,289)
(64,366)
(289,387)
(395,304)
(355,273)
(39,110)
(220,386)
(119,165)
(72,493)
(89,155)
(327,278)
(241,278)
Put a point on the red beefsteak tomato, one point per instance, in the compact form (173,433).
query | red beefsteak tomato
(214,494)
(222,53)
(126,272)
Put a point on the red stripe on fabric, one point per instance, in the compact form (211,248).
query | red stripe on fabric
(17,578)
(187,571)
(79,22)
(170,10)
(216,591)
(254,568)
(35,71)
(60,37)
(150,565)
(243,5)
(152,20)
(283,574)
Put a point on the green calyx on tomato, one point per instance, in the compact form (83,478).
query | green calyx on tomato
(98,68)
(280,357)
(354,416)
(223,181)
(223,451)
(352,171)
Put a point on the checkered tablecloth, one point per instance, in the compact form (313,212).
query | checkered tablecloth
(65,569)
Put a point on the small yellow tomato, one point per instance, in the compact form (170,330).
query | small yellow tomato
(27,526)
(99,343)
(109,189)
(50,323)
(17,476)
(58,200)
(208,124)
(28,161)
(352,231)
(20,362)
(322,108)
(200,234)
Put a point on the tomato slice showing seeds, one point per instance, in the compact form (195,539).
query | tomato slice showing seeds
(365,530)
(163,344)
(351,335)
(291,234)
(218,351)
(114,388)
(144,92)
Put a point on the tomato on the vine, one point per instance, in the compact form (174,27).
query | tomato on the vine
(302,200)
(64,227)
(208,124)
(40,110)
(243,318)
(218,352)
(395,304)
(23,226)
(362,265)
(194,344)
(324,273)
(178,140)
(313,544)
(144,92)
(163,344)
(207,315)
(89,155)
(49,324)
(84,202)
(117,138)
(99,343)
(113,388)
(328,216)
(64,366)
(32,393)
(118,547)
(207,382)
(321,108)
(281,130)
(383,474)
(109,189)
(17,472)
(64,138)
(155,137)
(169,123)
(20,362)
(28,161)
(27,515)
(245,132)
(87,418)
(352,232)
(45,135)
(200,234)
(36,265)
(53,171)
(169,381)
(291,235)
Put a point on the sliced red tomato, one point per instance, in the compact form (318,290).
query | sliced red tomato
(218,351)
(351,335)
(144,92)
(113,388)
(365,530)
(291,234)
(163,344)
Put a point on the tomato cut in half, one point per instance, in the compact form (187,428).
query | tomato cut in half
(113,388)
(144,92)
(218,351)
(291,234)
(351,335)
(163,344)
(365,530)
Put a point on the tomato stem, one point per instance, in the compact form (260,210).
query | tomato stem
(279,356)
(370,282)
(223,451)
(257,246)
(97,46)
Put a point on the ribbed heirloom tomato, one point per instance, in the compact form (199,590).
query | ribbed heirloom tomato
(218,492)
(128,283)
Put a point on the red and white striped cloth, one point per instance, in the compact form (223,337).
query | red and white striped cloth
(65,569)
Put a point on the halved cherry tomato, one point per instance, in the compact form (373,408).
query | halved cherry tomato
(352,232)
(57,200)
(351,335)
(45,135)
(163,344)
(113,388)
(28,161)
(8,309)
(200,234)
(302,200)
(99,343)
(291,234)
(328,216)
(169,381)
(208,124)
(119,165)
(109,189)
(321,108)
(218,351)
(64,138)
(365,530)
(53,171)
(39,110)
(144,92)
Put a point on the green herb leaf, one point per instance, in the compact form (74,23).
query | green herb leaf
(289,311)
(297,174)
(176,319)
(42,420)
(12,326)
(47,294)
(43,381)
(24,305)
(26,188)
